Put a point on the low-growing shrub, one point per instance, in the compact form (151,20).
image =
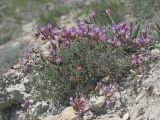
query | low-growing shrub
(78,57)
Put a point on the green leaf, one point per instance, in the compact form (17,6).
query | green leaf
(158,28)
(135,34)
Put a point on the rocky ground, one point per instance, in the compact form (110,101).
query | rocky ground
(10,52)
(139,101)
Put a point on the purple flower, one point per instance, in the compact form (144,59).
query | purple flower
(25,69)
(81,100)
(134,59)
(52,34)
(64,32)
(138,40)
(146,40)
(121,31)
(109,103)
(46,32)
(142,49)
(72,33)
(145,37)
(58,60)
(107,12)
(80,33)
(26,54)
(142,40)
(51,51)
(78,104)
(82,29)
(110,41)
(54,44)
(93,14)
(144,33)
(115,27)
(95,33)
(49,27)
(114,42)
(69,34)
(64,43)
(118,43)
(98,86)
(25,105)
(72,102)
(106,90)
(101,36)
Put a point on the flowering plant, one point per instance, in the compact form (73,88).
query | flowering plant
(78,103)
(25,105)
(78,55)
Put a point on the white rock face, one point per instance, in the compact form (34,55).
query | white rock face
(40,108)
(126,116)
(27,28)
(98,101)
(15,91)
(108,117)
(96,104)
(146,104)
(21,116)
(51,117)
(18,87)
(88,115)
(70,114)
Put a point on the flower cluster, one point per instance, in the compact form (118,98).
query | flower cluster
(51,56)
(142,40)
(140,43)
(24,62)
(134,59)
(45,32)
(78,103)
(97,34)
(25,105)
(27,59)
(107,12)
(65,37)
(121,33)
(107,91)
(81,30)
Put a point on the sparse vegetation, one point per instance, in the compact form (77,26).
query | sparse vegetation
(70,64)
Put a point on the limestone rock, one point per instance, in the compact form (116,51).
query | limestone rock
(39,108)
(97,104)
(126,117)
(21,116)
(27,28)
(88,115)
(108,117)
(70,114)
(51,117)
(98,101)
